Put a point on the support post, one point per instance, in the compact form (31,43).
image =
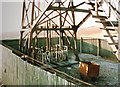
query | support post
(32,15)
(38,7)
(36,39)
(98,47)
(75,43)
(23,12)
(20,42)
(96,7)
(109,9)
(119,33)
(30,42)
(47,39)
(61,32)
(81,40)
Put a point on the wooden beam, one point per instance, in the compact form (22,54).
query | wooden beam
(40,16)
(99,17)
(110,36)
(108,23)
(21,41)
(98,10)
(96,7)
(119,32)
(64,18)
(26,11)
(50,19)
(32,14)
(44,29)
(78,5)
(69,42)
(84,19)
(68,9)
(108,29)
(114,8)
(23,12)
(113,43)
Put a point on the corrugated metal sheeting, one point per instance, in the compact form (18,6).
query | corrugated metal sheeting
(15,71)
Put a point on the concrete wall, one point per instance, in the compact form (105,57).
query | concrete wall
(15,71)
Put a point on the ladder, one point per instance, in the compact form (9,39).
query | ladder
(109,27)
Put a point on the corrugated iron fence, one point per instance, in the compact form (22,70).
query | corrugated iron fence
(15,71)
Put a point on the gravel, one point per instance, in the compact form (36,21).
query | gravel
(108,74)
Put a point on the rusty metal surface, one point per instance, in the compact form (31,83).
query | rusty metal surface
(89,69)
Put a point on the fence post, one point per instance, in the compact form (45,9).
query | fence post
(81,44)
(98,47)
(119,33)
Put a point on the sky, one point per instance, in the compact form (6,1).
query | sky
(10,13)
(10,16)
(0,17)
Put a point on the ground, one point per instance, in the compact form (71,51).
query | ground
(108,74)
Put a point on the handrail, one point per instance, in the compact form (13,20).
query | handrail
(108,17)
(114,9)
